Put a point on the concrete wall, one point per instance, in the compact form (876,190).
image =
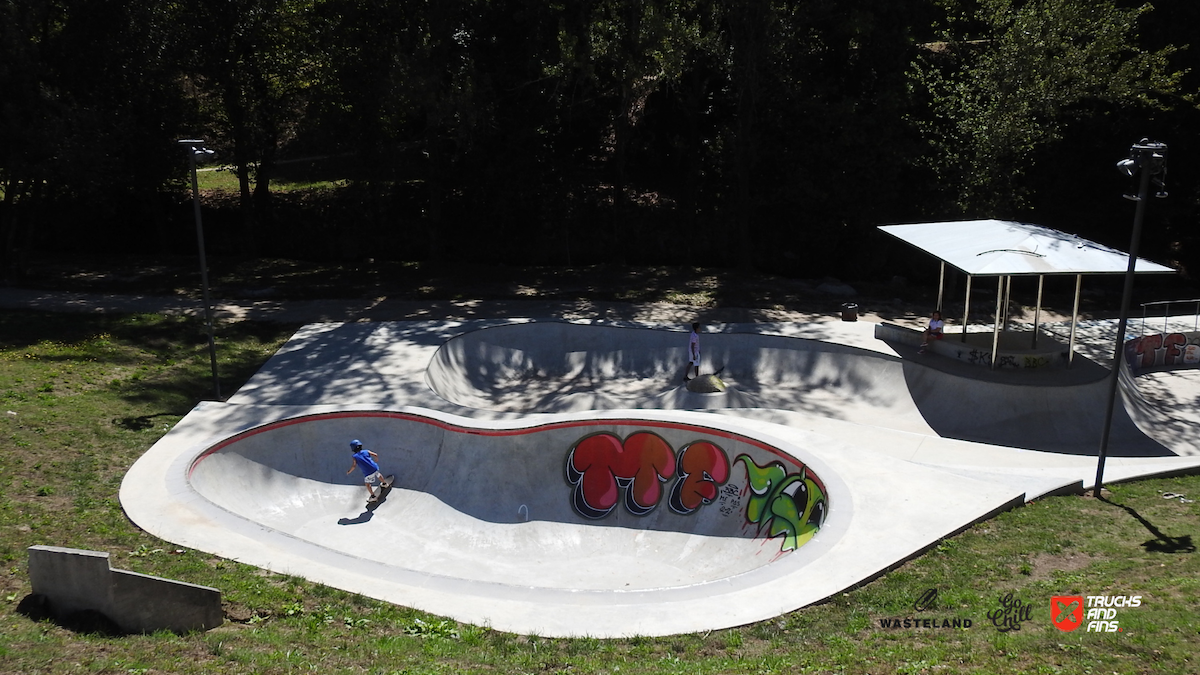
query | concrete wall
(978,348)
(74,580)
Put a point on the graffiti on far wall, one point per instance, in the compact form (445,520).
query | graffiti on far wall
(1163,350)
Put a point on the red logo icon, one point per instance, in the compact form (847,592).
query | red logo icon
(1066,611)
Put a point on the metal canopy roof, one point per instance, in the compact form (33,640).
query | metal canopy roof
(1007,248)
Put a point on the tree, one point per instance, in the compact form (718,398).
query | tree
(89,108)
(998,98)
(254,64)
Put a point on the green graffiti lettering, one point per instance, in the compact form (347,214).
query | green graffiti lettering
(790,506)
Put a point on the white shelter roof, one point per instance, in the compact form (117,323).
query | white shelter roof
(1007,248)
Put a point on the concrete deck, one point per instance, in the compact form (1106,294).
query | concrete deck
(478,418)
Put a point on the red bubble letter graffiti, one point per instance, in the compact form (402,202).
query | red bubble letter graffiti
(1145,348)
(601,466)
(702,468)
(1174,344)
(1162,349)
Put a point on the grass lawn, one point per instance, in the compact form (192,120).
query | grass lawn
(81,397)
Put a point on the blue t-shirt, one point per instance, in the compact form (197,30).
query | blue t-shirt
(364,461)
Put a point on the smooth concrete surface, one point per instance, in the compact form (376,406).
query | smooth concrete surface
(75,580)
(478,420)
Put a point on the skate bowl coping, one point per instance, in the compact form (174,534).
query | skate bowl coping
(594,505)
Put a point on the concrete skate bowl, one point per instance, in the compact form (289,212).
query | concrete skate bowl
(553,366)
(585,505)
(1163,404)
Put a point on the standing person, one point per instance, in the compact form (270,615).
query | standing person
(935,331)
(365,459)
(693,352)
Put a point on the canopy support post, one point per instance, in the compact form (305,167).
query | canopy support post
(996,326)
(1037,310)
(1074,320)
(966,309)
(1007,299)
(941,285)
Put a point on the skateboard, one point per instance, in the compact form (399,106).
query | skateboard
(385,486)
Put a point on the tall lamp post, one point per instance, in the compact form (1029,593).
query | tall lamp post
(196,148)
(1149,159)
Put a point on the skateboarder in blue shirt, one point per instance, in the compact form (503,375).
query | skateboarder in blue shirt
(365,459)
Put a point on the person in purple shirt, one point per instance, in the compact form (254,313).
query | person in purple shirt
(365,459)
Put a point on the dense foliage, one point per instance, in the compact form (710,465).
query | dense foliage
(766,133)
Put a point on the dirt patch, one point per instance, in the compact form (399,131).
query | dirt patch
(1044,565)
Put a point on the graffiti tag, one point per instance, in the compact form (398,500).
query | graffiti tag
(605,470)
(602,467)
(702,468)
(1036,361)
(787,505)
(730,500)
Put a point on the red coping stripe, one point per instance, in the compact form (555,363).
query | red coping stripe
(498,432)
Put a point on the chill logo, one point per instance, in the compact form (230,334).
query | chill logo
(1067,612)
(1011,613)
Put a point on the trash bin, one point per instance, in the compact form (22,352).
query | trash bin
(849,311)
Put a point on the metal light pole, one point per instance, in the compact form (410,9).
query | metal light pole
(196,147)
(1149,158)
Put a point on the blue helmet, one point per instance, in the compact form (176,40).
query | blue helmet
(356,445)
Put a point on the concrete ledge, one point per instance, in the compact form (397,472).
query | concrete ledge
(977,349)
(893,333)
(75,580)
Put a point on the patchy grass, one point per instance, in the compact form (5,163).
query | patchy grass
(317,173)
(81,397)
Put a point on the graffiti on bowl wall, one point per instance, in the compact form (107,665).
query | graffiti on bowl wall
(605,471)
(782,504)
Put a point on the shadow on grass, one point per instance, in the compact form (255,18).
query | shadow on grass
(1161,543)
(141,422)
(37,607)
(169,353)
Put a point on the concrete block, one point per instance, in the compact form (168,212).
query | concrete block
(74,580)
(893,333)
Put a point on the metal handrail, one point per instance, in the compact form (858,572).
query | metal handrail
(1167,312)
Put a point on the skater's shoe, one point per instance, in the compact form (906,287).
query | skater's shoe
(372,499)
(387,482)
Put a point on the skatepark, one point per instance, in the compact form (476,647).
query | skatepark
(557,477)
